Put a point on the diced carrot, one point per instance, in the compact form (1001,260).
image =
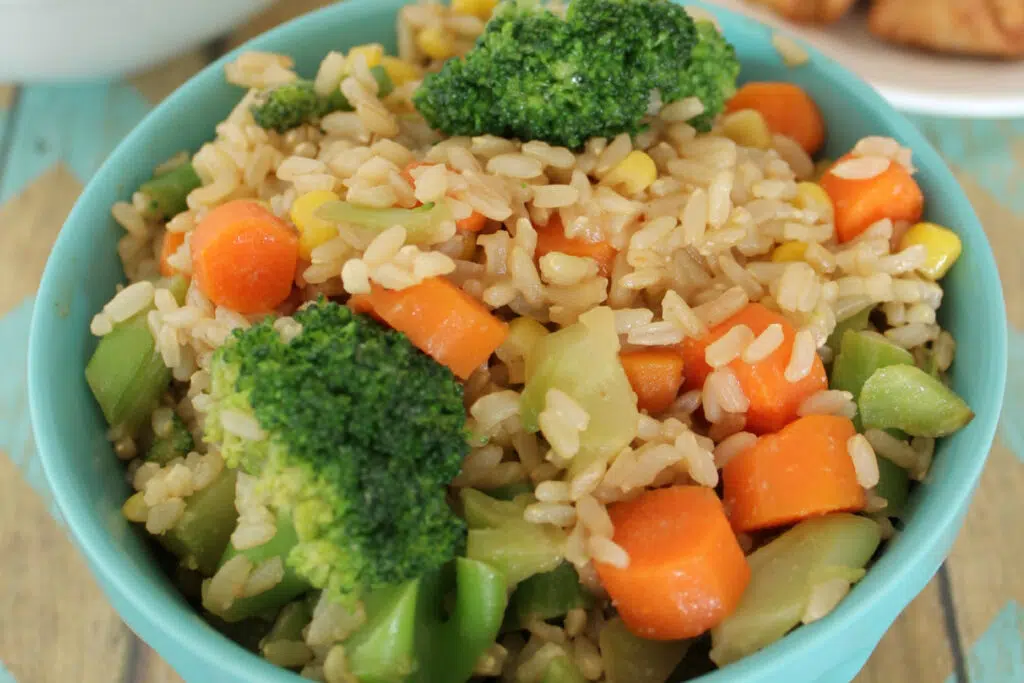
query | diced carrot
(172,241)
(774,400)
(440,319)
(244,257)
(803,471)
(686,570)
(786,108)
(655,375)
(892,194)
(474,222)
(551,237)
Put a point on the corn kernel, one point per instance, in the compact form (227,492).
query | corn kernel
(135,508)
(790,251)
(478,8)
(634,173)
(812,197)
(435,43)
(373,52)
(400,71)
(748,128)
(942,245)
(313,231)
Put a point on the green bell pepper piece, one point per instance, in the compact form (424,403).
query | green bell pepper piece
(894,486)
(202,533)
(290,587)
(547,596)
(499,536)
(630,659)
(168,191)
(856,322)
(907,398)
(783,575)
(408,639)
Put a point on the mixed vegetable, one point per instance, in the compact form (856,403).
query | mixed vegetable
(434,463)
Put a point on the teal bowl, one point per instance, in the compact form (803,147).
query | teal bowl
(87,480)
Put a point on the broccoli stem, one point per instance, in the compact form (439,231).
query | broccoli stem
(859,354)
(176,444)
(562,670)
(383,649)
(126,373)
(630,659)
(290,587)
(168,191)
(202,533)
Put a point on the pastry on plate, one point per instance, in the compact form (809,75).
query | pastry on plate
(993,28)
(810,11)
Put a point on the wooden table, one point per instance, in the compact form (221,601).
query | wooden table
(56,626)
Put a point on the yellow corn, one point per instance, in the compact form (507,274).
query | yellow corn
(812,197)
(435,43)
(313,231)
(748,128)
(942,245)
(400,71)
(373,52)
(135,508)
(478,8)
(634,173)
(789,251)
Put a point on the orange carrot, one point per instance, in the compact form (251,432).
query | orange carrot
(891,194)
(686,570)
(786,108)
(172,240)
(443,321)
(244,257)
(803,471)
(655,375)
(474,222)
(773,399)
(551,237)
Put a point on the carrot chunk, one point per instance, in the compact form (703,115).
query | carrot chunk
(892,194)
(172,241)
(551,237)
(244,257)
(686,570)
(774,400)
(786,108)
(655,375)
(440,319)
(803,471)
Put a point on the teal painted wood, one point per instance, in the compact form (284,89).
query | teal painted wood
(998,656)
(78,125)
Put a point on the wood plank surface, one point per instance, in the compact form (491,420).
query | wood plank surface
(55,625)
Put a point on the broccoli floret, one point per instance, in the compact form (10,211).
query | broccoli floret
(533,75)
(288,106)
(363,434)
(710,75)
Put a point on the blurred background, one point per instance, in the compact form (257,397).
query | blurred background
(77,75)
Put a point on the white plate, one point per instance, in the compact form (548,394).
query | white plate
(912,80)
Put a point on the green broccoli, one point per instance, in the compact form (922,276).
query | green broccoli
(177,443)
(363,434)
(533,75)
(288,106)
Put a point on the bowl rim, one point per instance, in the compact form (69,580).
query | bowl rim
(904,564)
